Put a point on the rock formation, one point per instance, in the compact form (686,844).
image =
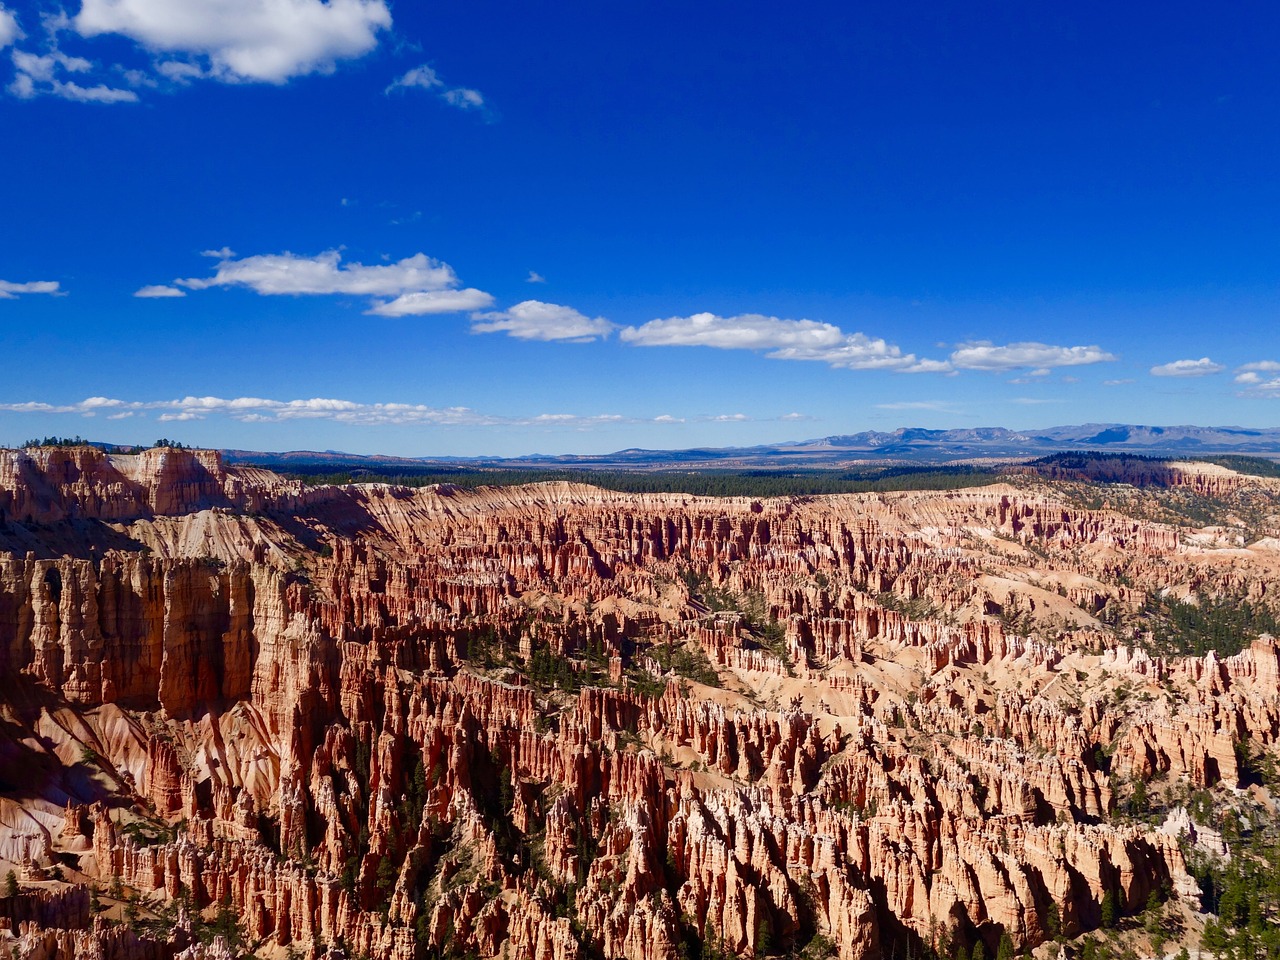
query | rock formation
(552,722)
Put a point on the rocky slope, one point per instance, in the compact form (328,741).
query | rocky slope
(552,722)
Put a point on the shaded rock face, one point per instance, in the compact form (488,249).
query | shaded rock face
(554,722)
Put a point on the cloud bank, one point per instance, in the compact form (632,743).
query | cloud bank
(262,410)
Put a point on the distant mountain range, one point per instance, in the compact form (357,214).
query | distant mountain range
(999,441)
(911,444)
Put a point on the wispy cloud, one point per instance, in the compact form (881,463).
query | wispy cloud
(1187,368)
(157,291)
(9,29)
(262,410)
(1263,389)
(535,277)
(784,339)
(421,78)
(10,291)
(464,98)
(1039,375)
(48,74)
(985,355)
(535,320)
(426,78)
(940,406)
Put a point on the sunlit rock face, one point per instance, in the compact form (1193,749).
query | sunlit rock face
(549,722)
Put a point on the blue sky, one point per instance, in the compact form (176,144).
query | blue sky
(505,228)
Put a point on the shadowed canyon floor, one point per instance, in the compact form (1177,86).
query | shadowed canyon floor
(241,715)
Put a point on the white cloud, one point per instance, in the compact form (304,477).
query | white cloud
(535,277)
(1042,375)
(288,273)
(1261,389)
(180,71)
(935,405)
(417,285)
(42,75)
(1117,383)
(243,40)
(985,355)
(1251,373)
(425,78)
(98,93)
(860,352)
(158,291)
(43,68)
(261,410)
(1187,368)
(10,291)
(751,331)
(463,98)
(137,78)
(9,29)
(535,320)
(427,302)
(785,339)
(22,86)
